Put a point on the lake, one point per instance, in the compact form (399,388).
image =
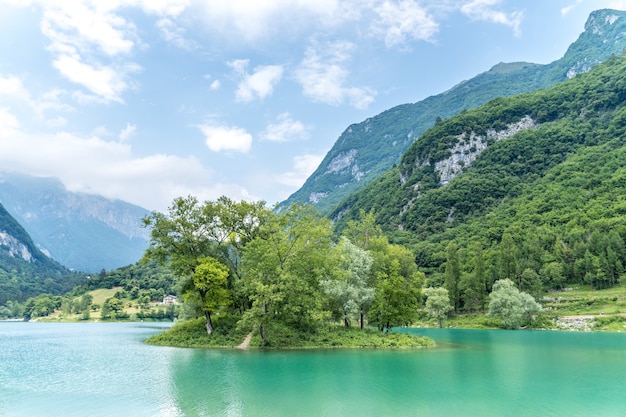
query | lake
(105,369)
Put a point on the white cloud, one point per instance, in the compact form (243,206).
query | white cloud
(285,129)
(303,167)
(565,10)
(323,74)
(255,21)
(483,10)
(259,84)
(224,138)
(127,132)
(174,34)
(402,21)
(108,168)
(215,85)
(8,126)
(12,87)
(239,65)
(103,81)
(92,42)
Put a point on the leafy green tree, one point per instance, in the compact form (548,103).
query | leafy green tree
(438,303)
(282,269)
(112,308)
(193,231)
(510,305)
(473,284)
(530,282)
(508,258)
(364,231)
(453,275)
(210,280)
(397,298)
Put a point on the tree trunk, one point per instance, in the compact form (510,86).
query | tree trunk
(346,322)
(262,332)
(361,319)
(209,323)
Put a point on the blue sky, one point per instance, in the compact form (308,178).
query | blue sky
(148,100)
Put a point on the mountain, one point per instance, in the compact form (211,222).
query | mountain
(24,270)
(365,150)
(534,185)
(83,232)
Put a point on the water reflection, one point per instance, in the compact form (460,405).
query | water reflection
(487,373)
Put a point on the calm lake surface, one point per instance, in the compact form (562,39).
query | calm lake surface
(98,369)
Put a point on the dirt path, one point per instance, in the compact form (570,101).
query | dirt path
(246,342)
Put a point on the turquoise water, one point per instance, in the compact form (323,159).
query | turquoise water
(97,369)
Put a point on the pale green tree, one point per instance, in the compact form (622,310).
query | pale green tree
(510,305)
(438,303)
(348,290)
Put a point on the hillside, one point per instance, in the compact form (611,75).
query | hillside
(24,270)
(83,232)
(532,188)
(366,150)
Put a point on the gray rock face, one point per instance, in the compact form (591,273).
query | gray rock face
(366,150)
(469,148)
(14,247)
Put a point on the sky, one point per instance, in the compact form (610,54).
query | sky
(149,100)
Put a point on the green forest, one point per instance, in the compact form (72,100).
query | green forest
(543,208)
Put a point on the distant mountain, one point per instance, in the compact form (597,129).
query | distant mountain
(24,270)
(365,150)
(83,232)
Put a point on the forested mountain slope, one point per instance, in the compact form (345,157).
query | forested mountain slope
(365,150)
(538,181)
(24,270)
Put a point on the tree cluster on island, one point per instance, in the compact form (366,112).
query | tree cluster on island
(265,267)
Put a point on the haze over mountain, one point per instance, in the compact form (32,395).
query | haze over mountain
(24,270)
(83,232)
(365,150)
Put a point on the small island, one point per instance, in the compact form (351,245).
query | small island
(261,278)
(192,334)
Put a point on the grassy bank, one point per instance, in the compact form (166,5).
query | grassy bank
(577,308)
(193,334)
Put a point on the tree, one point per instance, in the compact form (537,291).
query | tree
(210,279)
(453,275)
(530,282)
(364,231)
(282,269)
(473,284)
(510,305)
(508,258)
(192,231)
(397,298)
(438,303)
(348,290)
